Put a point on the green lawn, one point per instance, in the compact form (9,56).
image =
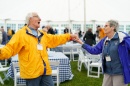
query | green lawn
(79,79)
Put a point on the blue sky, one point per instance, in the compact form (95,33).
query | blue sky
(57,10)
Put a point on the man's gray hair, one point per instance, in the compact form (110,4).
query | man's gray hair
(29,15)
(115,24)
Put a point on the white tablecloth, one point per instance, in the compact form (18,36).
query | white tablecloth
(64,68)
(68,45)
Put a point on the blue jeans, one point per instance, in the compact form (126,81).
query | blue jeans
(44,80)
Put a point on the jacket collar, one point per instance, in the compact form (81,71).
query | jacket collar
(121,36)
(28,31)
(115,36)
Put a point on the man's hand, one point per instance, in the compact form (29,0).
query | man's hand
(76,38)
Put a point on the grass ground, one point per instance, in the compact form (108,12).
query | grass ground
(79,79)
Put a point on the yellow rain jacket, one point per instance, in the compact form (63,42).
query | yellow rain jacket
(30,58)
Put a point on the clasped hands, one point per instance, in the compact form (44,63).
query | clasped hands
(75,37)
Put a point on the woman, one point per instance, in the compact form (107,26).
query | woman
(115,49)
(89,37)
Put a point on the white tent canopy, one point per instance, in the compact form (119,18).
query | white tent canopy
(57,10)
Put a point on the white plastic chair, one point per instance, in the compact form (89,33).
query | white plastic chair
(16,73)
(3,69)
(82,59)
(55,72)
(4,62)
(75,50)
(67,50)
(94,62)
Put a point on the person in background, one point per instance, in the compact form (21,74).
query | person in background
(83,34)
(115,49)
(96,36)
(97,33)
(10,33)
(89,37)
(0,37)
(80,33)
(44,29)
(4,36)
(31,46)
(101,32)
(67,30)
(56,31)
(50,29)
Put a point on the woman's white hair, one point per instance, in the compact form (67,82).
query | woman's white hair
(29,15)
(114,23)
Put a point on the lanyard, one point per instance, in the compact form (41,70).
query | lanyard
(108,47)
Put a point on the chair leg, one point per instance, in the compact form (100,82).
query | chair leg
(1,80)
(58,80)
(73,57)
(90,70)
(80,66)
(98,71)
(70,57)
(6,78)
(86,65)
(15,81)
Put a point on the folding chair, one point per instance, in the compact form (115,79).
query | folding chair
(67,50)
(55,72)
(3,69)
(16,73)
(82,59)
(75,50)
(3,62)
(94,62)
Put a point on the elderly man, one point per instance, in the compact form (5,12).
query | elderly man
(31,46)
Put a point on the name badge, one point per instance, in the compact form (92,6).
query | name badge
(108,58)
(39,47)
